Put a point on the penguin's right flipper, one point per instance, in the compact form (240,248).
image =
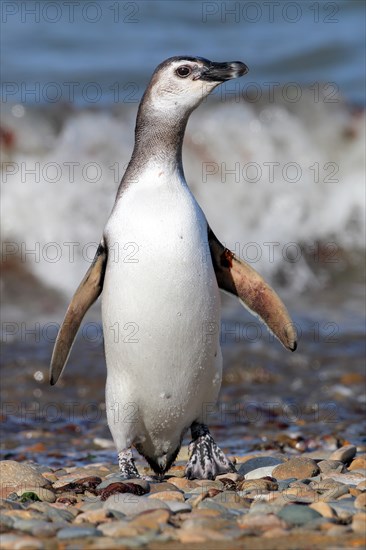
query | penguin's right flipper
(86,294)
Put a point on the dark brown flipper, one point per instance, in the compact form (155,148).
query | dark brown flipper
(238,278)
(86,294)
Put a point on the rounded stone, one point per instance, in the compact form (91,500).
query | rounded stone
(177,507)
(131,504)
(258,485)
(300,468)
(359,523)
(168,495)
(324,509)
(15,475)
(119,528)
(160,487)
(360,502)
(295,514)
(345,454)
(183,483)
(76,532)
(115,478)
(262,522)
(151,518)
(358,463)
(327,466)
(41,492)
(15,542)
(258,462)
(266,471)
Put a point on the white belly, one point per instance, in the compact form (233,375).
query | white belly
(161,315)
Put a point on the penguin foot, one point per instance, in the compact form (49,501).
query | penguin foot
(127,466)
(206,459)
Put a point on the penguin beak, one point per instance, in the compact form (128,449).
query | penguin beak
(220,72)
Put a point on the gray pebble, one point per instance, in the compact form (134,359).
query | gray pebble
(52,513)
(285,483)
(176,507)
(345,508)
(297,514)
(78,532)
(331,466)
(37,527)
(6,522)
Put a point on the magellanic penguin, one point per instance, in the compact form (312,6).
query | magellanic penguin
(161,305)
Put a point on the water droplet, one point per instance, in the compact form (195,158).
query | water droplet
(18,110)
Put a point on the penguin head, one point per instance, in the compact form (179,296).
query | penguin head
(179,84)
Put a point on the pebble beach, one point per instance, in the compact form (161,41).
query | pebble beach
(316,500)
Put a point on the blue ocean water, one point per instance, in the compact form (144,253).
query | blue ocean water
(103,52)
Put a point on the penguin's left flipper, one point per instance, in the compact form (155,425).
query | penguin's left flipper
(86,294)
(236,277)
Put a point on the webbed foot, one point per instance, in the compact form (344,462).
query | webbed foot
(206,459)
(127,466)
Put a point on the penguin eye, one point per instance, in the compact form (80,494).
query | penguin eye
(183,71)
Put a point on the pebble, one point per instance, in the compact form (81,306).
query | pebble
(324,509)
(78,532)
(359,523)
(207,484)
(43,494)
(326,466)
(295,514)
(275,532)
(360,502)
(15,476)
(257,463)
(350,478)
(131,504)
(118,528)
(115,478)
(236,477)
(344,508)
(344,454)
(300,468)
(38,527)
(177,507)
(362,485)
(160,487)
(168,495)
(53,513)
(151,518)
(262,522)
(92,516)
(212,505)
(258,485)
(15,542)
(183,483)
(266,471)
(358,463)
